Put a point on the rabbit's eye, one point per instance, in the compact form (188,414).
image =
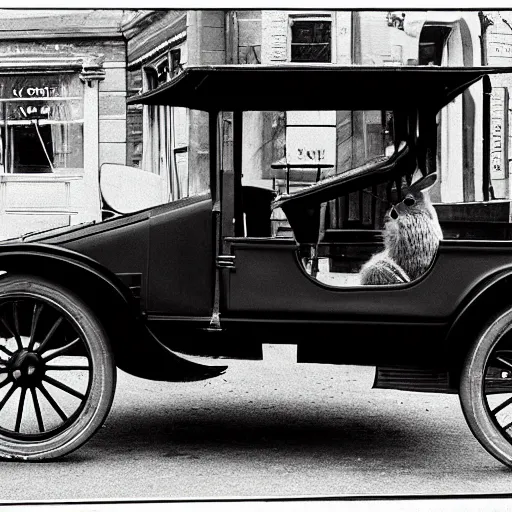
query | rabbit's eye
(409,201)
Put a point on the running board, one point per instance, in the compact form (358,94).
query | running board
(413,379)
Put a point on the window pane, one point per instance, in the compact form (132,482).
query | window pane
(162,72)
(309,53)
(302,32)
(311,41)
(42,123)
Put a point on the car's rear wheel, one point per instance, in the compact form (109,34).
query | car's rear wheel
(486,387)
(57,374)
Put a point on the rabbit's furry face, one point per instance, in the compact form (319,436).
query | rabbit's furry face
(412,231)
(413,213)
(411,238)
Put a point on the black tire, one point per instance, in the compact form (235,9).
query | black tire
(486,388)
(57,374)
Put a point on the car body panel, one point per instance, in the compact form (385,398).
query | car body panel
(181,262)
(280,288)
(181,238)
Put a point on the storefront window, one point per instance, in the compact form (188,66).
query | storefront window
(41,123)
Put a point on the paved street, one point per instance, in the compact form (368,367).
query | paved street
(268,428)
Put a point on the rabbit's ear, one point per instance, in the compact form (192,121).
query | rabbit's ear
(424,183)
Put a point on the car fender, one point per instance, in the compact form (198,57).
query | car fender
(136,350)
(485,300)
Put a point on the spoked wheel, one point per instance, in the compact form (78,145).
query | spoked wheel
(57,376)
(486,388)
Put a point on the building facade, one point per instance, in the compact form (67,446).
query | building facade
(66,76)
(158,48)
(62,98)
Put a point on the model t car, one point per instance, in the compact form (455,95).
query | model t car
(301,251)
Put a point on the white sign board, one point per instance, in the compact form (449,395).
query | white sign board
(310,145)
(275,36)
(311,137)
(499,111)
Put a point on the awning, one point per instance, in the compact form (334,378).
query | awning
(314,87)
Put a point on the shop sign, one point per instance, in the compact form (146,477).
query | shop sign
(26,97)
(499,111)
(311,145)
(311,137)
(34,92)
(499,49)
(31,87)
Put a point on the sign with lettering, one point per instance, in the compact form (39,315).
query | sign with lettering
(274,36)
(52,98)
(40,87)
(499,153)
(311,137)
(34,111)
(499,47)
(34,92)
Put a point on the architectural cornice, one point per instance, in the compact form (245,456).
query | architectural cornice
(60,34)
(168,30)
(169,43)
(139,21)
(89,65)
(57,24)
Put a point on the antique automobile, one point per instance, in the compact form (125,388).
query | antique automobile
(167,290)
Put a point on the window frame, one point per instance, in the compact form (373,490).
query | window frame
(320,16)
(7,157)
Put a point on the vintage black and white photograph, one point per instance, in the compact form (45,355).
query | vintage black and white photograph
(253,253)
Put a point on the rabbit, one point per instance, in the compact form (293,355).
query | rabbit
(411,237)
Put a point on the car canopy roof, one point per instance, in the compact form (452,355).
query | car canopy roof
(314,87)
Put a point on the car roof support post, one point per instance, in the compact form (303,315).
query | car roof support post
(215,187)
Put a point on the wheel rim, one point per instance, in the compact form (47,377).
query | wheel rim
(497,389)
(45,368)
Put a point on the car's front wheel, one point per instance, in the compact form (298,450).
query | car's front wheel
(486,387)
(57,375)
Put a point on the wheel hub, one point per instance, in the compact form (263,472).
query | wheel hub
(26,368)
